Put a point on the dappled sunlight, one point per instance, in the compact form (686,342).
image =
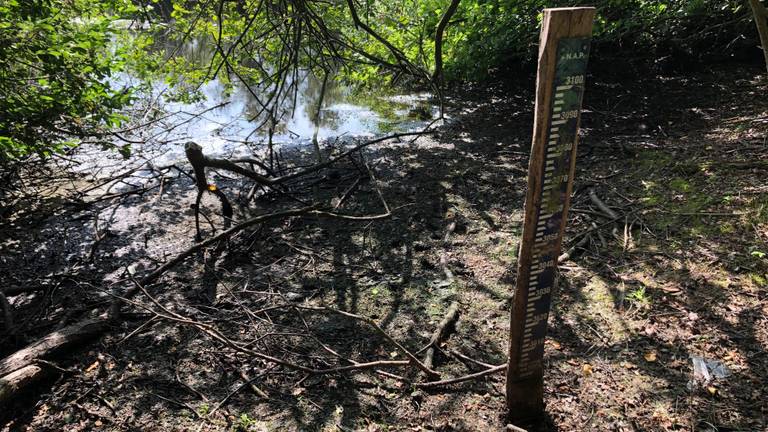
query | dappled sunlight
(308,215)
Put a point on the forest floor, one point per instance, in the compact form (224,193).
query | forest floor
(682,275)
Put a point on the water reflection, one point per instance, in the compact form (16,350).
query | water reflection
(226,121)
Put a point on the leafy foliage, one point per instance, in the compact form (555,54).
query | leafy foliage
(483,35)
(55,63)
(492,34)
(58,58)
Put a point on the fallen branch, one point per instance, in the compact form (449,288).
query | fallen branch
(585,236)
(565,256)
(424,368)
(444,255)
(212,331)
(7,314)
(441,332)
(53,343)
(607,211)
(466,359)
(433,384)
(23,368)
(114,310)
(248,382)
(215,334)
(194,152)
(200,162)
(12,383)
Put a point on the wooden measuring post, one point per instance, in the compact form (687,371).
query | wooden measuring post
(563,53)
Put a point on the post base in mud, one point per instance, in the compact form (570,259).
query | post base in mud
(525,401)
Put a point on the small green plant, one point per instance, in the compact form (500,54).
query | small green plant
(651,199)
(204,410)
(759,280)
(680,185)
(639,295)
(506,253)
(375,291)
(244,423)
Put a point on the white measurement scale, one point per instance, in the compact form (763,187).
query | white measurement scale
(539,279)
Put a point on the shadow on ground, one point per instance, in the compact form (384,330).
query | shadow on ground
(673,281)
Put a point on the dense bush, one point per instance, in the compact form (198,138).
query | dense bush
(55,61)
(491,34)
(57,56)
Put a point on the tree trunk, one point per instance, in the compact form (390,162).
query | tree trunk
(437,75)
(316,119)
(761,20)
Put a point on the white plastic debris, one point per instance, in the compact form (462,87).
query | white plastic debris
(705,371)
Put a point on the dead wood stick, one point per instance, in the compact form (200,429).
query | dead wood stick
(12,383)
(569,253)
(214,333)
(256,162)
(441,332)
(347,193)
(155,274)
(607,211)
(248,382)
(433,384)
(200,162)
(178,403)
(446,244)
(374,181)
(23,368)
(339,356)
(52,343)
(599,235)
(7,314)
(464,358)
(351,217)
(196,154)
(714,214)
(148,323)
(591,230)
(426,369)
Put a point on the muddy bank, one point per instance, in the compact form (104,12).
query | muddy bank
(681,274)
